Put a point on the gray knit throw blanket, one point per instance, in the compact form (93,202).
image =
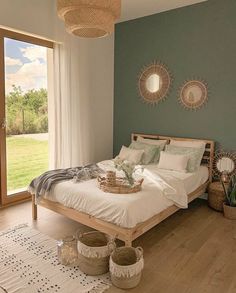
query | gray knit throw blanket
(41,185)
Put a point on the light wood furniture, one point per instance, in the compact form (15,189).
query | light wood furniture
(130,234)
(216,196)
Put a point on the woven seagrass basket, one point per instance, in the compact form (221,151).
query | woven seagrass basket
(216,196)
(94,249)
(126,265)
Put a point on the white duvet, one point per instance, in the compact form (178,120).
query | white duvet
(160,189)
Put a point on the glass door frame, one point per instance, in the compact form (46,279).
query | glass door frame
(4,199)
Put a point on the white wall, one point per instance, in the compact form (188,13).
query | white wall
(32,16)
(97,64)
(101,55)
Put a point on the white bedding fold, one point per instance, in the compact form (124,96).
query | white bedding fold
(171,187)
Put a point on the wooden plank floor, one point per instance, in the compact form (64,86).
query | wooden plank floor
(193,251)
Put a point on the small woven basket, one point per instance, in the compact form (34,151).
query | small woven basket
(216,196)
(126,265)
(94,249)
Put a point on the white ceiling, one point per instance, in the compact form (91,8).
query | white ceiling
(132,9)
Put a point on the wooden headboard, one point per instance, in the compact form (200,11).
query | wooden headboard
(208,156)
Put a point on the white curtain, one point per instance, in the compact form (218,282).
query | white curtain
(70,122)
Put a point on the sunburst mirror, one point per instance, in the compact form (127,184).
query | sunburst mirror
(154,83)
(193,94)
(224,161)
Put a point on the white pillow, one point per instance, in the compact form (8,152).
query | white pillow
(191,144)
(159,142)
(131,155)
(173,162)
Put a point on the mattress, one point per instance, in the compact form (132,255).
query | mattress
(128,210)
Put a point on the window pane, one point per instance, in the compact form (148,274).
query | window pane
(26,113)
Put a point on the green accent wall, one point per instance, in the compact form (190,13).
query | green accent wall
(197,41)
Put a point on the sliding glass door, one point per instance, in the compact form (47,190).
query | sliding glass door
(23,112)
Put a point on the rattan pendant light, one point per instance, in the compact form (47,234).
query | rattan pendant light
(89,18)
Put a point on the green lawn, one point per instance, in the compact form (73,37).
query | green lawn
(26,158)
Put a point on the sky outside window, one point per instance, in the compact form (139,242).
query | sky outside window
(25,65)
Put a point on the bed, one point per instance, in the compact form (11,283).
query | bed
(126,217)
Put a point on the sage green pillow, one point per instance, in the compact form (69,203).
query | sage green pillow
(150,151)
(195,155)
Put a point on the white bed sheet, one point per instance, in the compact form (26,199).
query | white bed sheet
(191,181)
(123,210)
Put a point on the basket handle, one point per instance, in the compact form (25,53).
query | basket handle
(139,252)
(81,234)
(100,179)
(111,245)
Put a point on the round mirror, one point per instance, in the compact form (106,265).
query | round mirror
(225,164)
(153,83)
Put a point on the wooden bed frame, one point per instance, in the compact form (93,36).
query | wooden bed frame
(130,234)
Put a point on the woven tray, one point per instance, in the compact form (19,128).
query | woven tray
(120,186)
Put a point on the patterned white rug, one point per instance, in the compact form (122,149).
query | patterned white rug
(28,264)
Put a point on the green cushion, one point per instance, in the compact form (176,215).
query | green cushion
(195,155)
(151,152)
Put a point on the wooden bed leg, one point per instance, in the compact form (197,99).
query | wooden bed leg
(34,209)
(128,242)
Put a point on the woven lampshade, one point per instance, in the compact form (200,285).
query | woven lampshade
(89,18)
